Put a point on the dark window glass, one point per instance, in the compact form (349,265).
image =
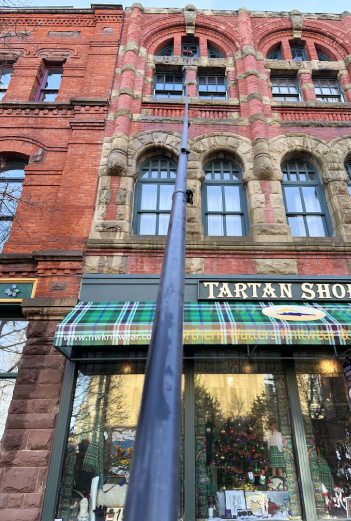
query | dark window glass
(167,51)
(327,89)
(224,200)
(286,89)
(154,196)
(212,53)
(275,55)
(298,54)
(212,87)
(168,85)
(348,170)
(195,53)
(11,179)
(305,203)
(322,57)
(5,72)
(50,84)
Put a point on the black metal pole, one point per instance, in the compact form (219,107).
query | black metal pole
(153,490)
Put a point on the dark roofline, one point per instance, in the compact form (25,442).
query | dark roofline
(63,10)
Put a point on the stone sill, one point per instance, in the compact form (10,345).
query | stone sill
(293,244)
(311,104)
(192,101)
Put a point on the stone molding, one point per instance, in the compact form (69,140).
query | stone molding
(181,60)
(313,65)
(128,92)
(190,18)
(124,112)
(47,308)
(297,23)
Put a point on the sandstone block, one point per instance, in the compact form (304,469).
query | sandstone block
(257,201)
(26,515)
(31,421)
(3,501)
(39,439)
(14,439)
(36,391)
(15,500)
(195,266)
(25,458)
(105,264)
(276,267)
(50,376)
(279,215)
(276,201)
(33,500)
(253,187)
(19,480)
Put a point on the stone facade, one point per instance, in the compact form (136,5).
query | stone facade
(62,143)
(250,127)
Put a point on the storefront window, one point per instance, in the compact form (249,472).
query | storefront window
(12,340)
(101,439)
(327,426)
(245,464)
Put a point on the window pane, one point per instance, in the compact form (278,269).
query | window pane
(5,228)
(310,195)
(163,223)
(148,197)
(214,199)
(166,192)
(10,193)
(53,80)
(2,94)
(215,225)
(15,173)
(5,77)
(243,442)
(315,225)
(172,174)
(293,198)
(326,414)
(297,226)
(12,340)
(234,225)
(232,198)
(7,386)
(147,224)
(49,96)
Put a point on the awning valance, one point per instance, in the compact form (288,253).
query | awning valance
(207,323)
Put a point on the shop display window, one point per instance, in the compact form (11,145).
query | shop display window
(245,463)
(12,340)
(327,424)
(100,442)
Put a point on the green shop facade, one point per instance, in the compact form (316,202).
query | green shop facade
(266,423)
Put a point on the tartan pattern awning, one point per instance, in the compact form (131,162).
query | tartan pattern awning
(205,323)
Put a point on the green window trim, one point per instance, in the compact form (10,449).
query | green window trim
(191,47)
(224,174)
(302,176)
(168,85)
(275,55)
(157,173)
(212,53)
(322,57)
(210,86)
(331,87)
(285,88)
(167,51)
(298,54)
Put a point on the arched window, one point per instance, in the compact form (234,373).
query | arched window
(224,200)
(212,53)
(153,196)
(322,57)
(11,179)
(305,204)
(298,54)
(274,55)
(167,51)
(348,170)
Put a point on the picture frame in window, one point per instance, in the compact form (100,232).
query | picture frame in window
(235,500)
(121,451)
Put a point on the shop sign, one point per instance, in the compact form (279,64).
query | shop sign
(265,290)
(347,374)
(15,290)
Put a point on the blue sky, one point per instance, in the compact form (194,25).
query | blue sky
(312,6)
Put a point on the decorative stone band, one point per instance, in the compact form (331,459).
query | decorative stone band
(305,86)
(312,65)
(130,67)
(47,308)
(180,60)
(129,92)
(124,112)
(248,51)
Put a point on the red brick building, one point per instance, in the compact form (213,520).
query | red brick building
(56,85)
(269,141)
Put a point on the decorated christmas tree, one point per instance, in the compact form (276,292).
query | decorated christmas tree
(242,455)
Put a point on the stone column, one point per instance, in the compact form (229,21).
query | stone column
(30,427)
(306,84)
(344,79)
(149,76)
(339,201)
(117,162)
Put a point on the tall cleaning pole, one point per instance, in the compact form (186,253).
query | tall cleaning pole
(154,483)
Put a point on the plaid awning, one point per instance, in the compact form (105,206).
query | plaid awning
(208,323)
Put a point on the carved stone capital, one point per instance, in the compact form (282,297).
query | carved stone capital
(297,23)
(190,18)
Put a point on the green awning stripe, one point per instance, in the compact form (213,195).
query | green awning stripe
(207,323)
